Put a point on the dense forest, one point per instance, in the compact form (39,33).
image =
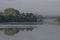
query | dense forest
(13,15)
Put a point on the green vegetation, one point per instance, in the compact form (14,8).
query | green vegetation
(13,15)
(10,31)
(58,19)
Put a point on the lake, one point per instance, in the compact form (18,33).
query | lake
(46,31)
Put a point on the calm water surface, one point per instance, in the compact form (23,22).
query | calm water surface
(42,32)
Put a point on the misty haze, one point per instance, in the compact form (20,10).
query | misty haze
(43,7)
(29,19)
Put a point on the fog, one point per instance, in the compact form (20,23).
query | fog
(43,7)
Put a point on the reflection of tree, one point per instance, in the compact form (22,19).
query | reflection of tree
(10,31)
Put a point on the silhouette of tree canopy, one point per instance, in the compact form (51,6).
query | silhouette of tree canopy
(13,15)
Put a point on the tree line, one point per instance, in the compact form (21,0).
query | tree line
(13,15)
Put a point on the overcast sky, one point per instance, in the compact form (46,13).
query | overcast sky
(43,7)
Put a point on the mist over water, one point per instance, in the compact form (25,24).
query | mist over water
(46,31)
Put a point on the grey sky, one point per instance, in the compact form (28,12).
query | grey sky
(43,7)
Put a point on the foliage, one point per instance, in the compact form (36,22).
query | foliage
(58,19)
(13,15)
(10,11)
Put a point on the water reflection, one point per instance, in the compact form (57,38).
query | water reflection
(12,31)
(27,29)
